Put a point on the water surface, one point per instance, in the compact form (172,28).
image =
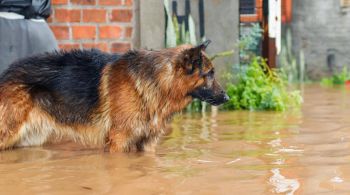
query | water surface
(297,152)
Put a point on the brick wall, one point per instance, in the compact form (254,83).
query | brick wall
(103,24)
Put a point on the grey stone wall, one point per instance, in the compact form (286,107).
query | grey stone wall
(321,28)
(221,25)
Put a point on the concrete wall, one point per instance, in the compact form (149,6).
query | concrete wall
(320,28)
(221,25)
(152,24)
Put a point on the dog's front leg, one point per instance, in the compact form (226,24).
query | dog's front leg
(118,141)
(147,143)
(150,146)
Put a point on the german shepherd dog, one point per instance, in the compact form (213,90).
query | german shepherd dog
(120,102)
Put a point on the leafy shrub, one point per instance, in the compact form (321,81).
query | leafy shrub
(175,33)
(249,44)
(293,67)
(256,86)
(259,88)
(337,79)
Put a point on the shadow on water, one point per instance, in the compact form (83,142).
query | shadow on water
(297,152)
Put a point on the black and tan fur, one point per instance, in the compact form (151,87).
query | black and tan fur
(121,102)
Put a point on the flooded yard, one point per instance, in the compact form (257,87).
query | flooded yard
(297,152)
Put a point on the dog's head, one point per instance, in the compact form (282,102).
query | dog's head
(198,75)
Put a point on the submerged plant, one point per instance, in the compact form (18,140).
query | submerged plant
(260,88)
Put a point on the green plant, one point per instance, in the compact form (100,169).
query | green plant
(249,44)
(260,88)
(338,78)
(248,48)
(295,71)
(176,34)
(255,86)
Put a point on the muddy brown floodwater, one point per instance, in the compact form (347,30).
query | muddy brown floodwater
(298,152)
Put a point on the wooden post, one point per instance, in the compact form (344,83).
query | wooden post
(266,52)
(272,30)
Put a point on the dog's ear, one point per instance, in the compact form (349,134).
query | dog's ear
(204,45)
(193,57)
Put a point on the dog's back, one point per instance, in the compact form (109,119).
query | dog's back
(63,84)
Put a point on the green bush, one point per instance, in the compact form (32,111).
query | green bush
(337,79)
(249,44)
(255,86)
(259,88)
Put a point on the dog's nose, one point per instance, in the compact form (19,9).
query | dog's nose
(226,97)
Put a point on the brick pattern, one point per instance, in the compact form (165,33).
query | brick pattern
(102,24)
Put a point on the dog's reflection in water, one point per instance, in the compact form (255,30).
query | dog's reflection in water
(25,155)
(62,150)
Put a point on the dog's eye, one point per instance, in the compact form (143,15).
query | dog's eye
(211,72)
(197,62)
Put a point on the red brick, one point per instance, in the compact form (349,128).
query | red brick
(102,46)
(128,32)
(49,19)
(84,32)
(69,46)
(128,2)
(59,2)
(121,15)
(84,2)
(120,47)
(94,15)
(60,32)
(110,2)
(67,15)
(110,32)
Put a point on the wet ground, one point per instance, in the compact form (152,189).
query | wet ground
(298,152)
